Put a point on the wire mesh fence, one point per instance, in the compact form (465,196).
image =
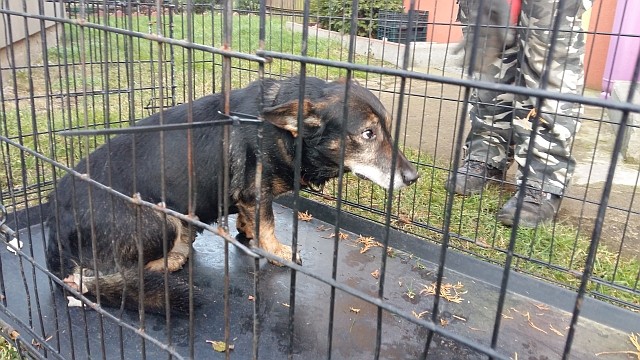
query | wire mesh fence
(127,185)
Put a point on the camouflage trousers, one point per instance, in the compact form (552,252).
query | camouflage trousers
(500,128)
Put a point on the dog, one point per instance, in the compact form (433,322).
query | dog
(93,231)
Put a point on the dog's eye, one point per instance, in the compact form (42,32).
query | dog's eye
(368,134)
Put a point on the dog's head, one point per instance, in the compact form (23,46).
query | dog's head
(368,144)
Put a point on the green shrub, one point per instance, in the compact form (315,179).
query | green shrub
(335,15)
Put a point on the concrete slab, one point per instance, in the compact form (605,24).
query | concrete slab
(530,328)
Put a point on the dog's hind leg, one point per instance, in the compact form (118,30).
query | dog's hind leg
(179,253)
(245,223)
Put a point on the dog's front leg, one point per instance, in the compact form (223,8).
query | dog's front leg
(268,242)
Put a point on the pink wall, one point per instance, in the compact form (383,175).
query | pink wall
(442,27)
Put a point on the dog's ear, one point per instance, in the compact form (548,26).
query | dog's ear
(285,116)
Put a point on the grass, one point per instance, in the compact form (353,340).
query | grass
(86,61)
(8,351)
(94,64)
(555,252)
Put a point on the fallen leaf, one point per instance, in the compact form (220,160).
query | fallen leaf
(352,309)
(537,328)
(368,243)
(542,306)
(285,304)
(220,346)
(420,315)
(323,228)
(444,322)
(251,298)
(376,274)
(343,236)
(555,331)
(448,292)
(634,341)
(304,216)
(459,317)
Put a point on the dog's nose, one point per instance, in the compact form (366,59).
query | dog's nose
(410,175)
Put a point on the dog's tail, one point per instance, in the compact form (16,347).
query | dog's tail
(125,284)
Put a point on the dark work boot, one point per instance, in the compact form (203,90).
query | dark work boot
(472,176)
(538,207)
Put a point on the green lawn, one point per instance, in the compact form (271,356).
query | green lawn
(421,207)
(114,92)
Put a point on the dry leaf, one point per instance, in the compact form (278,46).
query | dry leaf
(220,346)
(542,306)
(251,298)
(555,331)
(352,309)
(444,322)
(376,274)
(537,328)
(285,304)
(14,335)
(459,317)
(420,315)
(507,316)
(368,243)
(304,216)
(343,236)
(634,341)
(448,292)
(323,228)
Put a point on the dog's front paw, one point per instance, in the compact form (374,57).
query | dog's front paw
(281,251)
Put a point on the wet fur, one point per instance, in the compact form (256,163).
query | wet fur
(104,237)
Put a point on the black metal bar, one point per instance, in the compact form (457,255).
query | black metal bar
(157,128)
(152,37)
(604,200)
(609,104)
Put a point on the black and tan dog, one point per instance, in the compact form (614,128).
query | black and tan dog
(82,215)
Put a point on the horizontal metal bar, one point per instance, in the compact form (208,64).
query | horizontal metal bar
(215,230)
(165,127)
(471,83)
(88,302)
(152,37)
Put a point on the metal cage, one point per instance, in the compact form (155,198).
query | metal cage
(392,274)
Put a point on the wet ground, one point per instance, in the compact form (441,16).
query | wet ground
(533,324)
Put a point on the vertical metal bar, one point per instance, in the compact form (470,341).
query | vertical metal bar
(227,30)
(192,195)
(525,174)
(389,200)
(297,178)
(450,195)
(258,183)
(600,217)
(343,137)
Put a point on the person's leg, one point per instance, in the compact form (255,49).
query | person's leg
(551,163)
(487,147)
